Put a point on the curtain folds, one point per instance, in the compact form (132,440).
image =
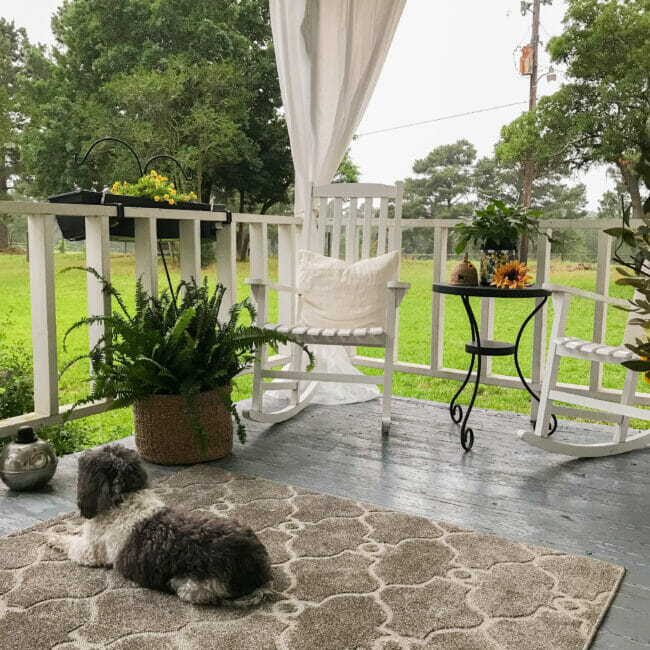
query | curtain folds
(329,54)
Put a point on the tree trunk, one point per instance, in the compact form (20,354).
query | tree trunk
(267,206)
(243,238)
(632,185)
(4,236)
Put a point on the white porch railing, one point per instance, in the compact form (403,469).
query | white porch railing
(40,224)
(47,409)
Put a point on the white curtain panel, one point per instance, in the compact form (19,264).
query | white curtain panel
(329,54)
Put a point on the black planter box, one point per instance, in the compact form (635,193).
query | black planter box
(120,228)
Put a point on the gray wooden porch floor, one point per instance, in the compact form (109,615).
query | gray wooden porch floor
(598,507)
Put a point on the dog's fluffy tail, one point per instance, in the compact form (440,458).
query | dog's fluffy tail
(257,597)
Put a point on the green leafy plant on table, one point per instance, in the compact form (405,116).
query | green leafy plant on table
(175,344)
(499,224)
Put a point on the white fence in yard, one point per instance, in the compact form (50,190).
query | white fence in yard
(41,223)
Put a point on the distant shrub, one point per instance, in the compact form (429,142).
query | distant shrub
(16,383)
(17,397)
(68,438)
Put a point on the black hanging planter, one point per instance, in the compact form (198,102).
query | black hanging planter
(73,228)
(120,227)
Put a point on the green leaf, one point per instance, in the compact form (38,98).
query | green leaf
(637,365)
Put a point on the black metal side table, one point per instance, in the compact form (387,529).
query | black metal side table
(479,349)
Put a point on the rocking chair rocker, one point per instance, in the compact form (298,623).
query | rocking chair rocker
(619,413)
(382,235)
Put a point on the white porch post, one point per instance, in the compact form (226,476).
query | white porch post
(41,287)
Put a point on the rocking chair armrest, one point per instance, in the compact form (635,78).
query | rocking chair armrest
(589,295)
(274,286)
(396,292)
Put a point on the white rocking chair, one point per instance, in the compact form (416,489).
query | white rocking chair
(378,236)
(619,413)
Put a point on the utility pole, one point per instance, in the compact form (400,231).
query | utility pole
(532,102)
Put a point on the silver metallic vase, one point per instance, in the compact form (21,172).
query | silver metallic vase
(27,462)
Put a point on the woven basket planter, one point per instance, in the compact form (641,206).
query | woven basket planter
(163,433)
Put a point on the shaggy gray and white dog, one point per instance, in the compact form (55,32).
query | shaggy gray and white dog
(201,557)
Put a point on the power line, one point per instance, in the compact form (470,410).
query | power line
(439,119)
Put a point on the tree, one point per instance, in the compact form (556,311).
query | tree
(13,42)
(347,172)
(609,206)
(602,114)
(442,186)
(493,180)
(196,79)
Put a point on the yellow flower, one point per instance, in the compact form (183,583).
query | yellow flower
(166,197)
(156,198)
(163,178)
(171,201)
(646,379)
(511,275)
(171,185)
(173,191)
(154,172)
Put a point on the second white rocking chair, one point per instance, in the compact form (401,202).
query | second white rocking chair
(620,413)
(379,235)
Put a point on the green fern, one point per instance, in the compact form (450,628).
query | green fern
(175,344)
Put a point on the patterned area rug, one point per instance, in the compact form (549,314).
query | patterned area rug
(350,575)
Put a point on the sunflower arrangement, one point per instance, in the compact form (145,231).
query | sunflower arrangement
(512,275)
(153,186)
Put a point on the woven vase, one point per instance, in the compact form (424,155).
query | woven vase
(163,433)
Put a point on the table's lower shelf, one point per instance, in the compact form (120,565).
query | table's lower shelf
(491,348)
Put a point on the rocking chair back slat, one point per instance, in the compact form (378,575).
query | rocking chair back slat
(396,232)
(351,243)
(383,225)
(335,250)
(367,229)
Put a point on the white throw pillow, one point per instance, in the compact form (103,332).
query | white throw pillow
(337,295)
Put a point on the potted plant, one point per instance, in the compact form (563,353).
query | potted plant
(496,229)
(174,359)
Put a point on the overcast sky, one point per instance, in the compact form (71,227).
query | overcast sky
(446,58)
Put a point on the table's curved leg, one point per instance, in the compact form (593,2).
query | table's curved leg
(456,410)
(553,424)
(467,433)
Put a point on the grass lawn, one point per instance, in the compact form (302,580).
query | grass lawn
(414,341)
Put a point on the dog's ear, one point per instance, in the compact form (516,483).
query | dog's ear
(94,487)
(131,474)
(105,476)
